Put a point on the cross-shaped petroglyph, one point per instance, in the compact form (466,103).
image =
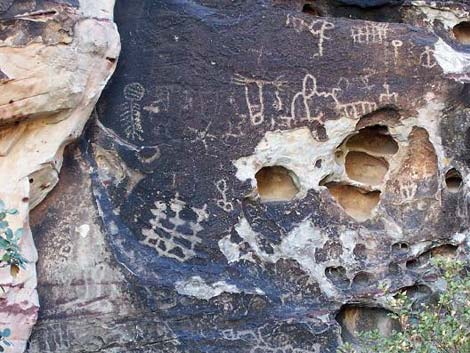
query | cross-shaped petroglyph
(317,28)
(175,228)
(388,97)
(426,58)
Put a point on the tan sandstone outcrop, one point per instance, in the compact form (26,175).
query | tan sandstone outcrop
(55,60)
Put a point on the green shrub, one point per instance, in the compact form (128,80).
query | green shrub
(443,327)
(10,256)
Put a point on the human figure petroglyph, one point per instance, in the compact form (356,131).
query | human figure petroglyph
(255,87)
(370,33)
(202,135)
(131,114)
(317,28)
(302,102)
(426,59)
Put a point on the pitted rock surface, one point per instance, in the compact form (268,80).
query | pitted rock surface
(256,173)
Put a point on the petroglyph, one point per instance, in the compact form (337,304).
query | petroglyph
(388,97)
(317,28)
(356,109)
(426,59)
(223,203)
(371,33)
(172,235)
(130,114)
(254,95)
(161,102)
(397,44)
(201,136)
(262,342)
(303,106)
(300,107)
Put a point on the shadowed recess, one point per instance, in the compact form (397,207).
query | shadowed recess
(356,319)
(462,32)
(356,202)
(276,184)
(453,180)
(374,140)
(366,169)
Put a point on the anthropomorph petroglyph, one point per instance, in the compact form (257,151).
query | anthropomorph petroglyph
(254,95)
(426,59)
(172,235)
(317,28)
(131,115)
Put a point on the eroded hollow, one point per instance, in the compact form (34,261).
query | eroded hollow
(453,180)
(462,32)
(276,183)
(356,319)
(446,251)
(337,276)
(365,169)
(374,140)
(356,202)
(310,9)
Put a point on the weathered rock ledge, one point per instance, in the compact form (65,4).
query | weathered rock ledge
(55,59)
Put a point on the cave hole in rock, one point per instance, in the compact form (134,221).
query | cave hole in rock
(356,202)
(365,169)
(462,32)
(374,140)
(386,116)
(453,180)
(356,319)
(276,183)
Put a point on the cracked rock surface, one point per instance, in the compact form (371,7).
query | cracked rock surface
(255,172)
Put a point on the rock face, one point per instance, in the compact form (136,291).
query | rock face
(55,59)
(255,173)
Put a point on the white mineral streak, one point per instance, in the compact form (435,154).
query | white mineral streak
(198,288)
(51,92)
(443,14)
(450,60)
(299,244)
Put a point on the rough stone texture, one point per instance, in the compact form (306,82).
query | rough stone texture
(162,235)
(55,59)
